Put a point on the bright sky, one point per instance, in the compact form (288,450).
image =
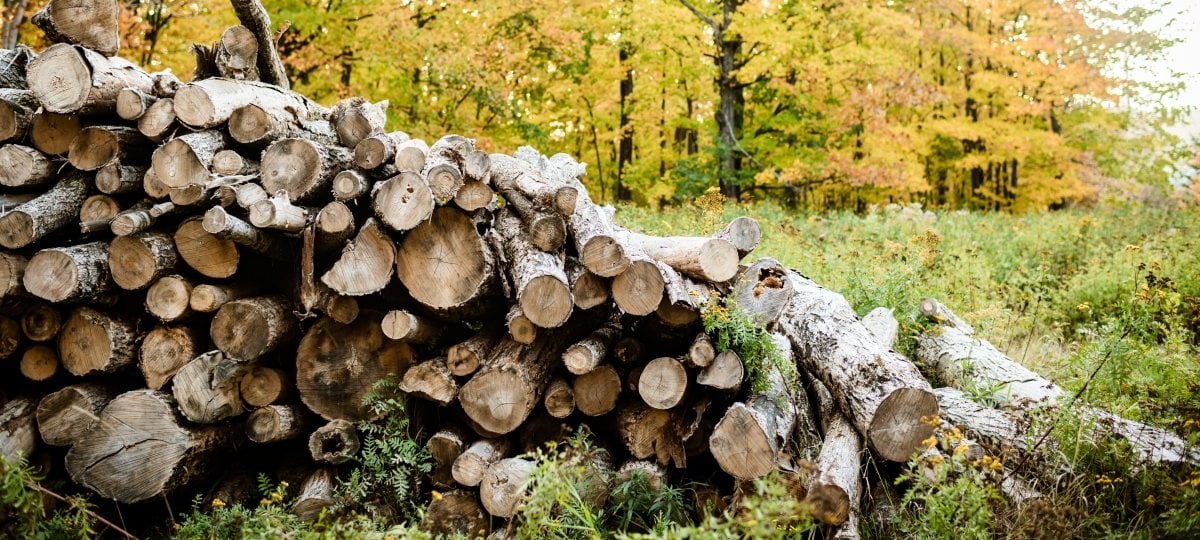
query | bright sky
(1185,58)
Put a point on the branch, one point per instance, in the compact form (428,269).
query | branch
(700,15)
(87,510)
(253,16)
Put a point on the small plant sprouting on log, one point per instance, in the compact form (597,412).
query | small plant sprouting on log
(637,505)
(733,329)
(392,461)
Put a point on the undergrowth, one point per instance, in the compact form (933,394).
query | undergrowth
(733,329)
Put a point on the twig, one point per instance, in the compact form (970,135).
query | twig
(89,511)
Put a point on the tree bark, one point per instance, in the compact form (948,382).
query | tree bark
(50,211)
(538,277)
(67,415)
(881,392)
(140,448)
(431,380)
(206,388)
(337,364)
(18,434)
(248,328)
(88,23)
(71,79)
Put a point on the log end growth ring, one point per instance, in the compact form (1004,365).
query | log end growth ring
(443,261)
(547,301)
(292,166)
(896,431)
(51,275)
(639,289)
(498,401)
(60,78)
(740,445)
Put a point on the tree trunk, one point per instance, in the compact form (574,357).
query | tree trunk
(206,253)
(503,486)
(187,160)
(274,423)
(546,231)
(885,405)
(663,383)
(71,79)
(165,350)
(24,167)
(50,211)
(834,491)
(334,443)
(206,388)
(302,168)
(365,266)
(431,380)
(140,448)
(446,264)
(539,277)
(70,274)
(337,364)
(277,212)
(68,415)
(595,392)
(90,23)
(248,328)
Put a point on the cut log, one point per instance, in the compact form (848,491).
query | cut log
(763,292)
(52,133)
(443,168)
(520,328)
(274,423)
(335,442)
(334,227)
(560,399)
(66,416)
(208,298)
(446,265)
(503,486)
(431,380)
(94,342)
(403,202)
(599,251)
(471,465)
(538,277)
(584,356)
(378,149)
(474,195)
(206,253)
(209,103)
(18,434)
(663,383)
(71,79)
(70,274)
(140,448)
(410,156)
(169,297)
(165,350)
(41,322)
(16,113)
(701,353)
(365,266)
(133,103)
(596,391)
(22,166)
(259,126)
(725,373)
(587,289)
(262,386)
(302,168)
(881,392)
(546,231)
(236,54)
(402,324)
(231,163)
(355,119)
(89,23)
(319,490)
(883,325)
(464,358)
(710,259)
(455,514)
(50,211)
(445,447)
(10,336)
(97,146)
(153,188)
(206,388)
(219,223)
(39,363)
(248,328)
(136,220)
(744,233)
(186,160)
(12,273)
(99,208)
(254,17)
(337,364)
(834,491)
(117,179)
(651,433)
(349,185)
(747,440)
(159,120)
(544,183)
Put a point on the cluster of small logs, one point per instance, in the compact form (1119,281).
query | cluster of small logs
(192,270)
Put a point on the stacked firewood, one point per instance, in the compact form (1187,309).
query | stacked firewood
(193,270)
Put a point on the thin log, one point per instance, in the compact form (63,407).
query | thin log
(133,103)
(445,447)
(52,133)
(206,388)
(41,323)
(231,163)
(18,434)
(236,54)
(254,17)
(274,423)
(520,328)
(248,328)
(262,386)
(159,120)
(219,223)
(39,363)
(208,298)
(134,221)
(559,399)
(538,277)
(590,352)
(431,380)
(115,178)
(318,492)
(169,297)
(17,109)
(205,252)
(208,103)
(443,168)
(50,211)
(663,383)
(355,119)
(471,465)
(12,273)
(410,156)
(164,351)
(402,324)
(376,150)
(587,289)
(464,358)
(260,126)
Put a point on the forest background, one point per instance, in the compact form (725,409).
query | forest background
(823,104)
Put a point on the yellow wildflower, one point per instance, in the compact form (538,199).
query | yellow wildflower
(930,442)
(218,503)
(961,449)
(1084,307)
(435,495)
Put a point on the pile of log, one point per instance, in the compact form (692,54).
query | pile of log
(196,270)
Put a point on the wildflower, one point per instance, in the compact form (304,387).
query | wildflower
(435,495)
(218,503)
(933,421)
(936,460)
(930,442)
(961,449)
(1150,499)
(1131,247)
(1084,307)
